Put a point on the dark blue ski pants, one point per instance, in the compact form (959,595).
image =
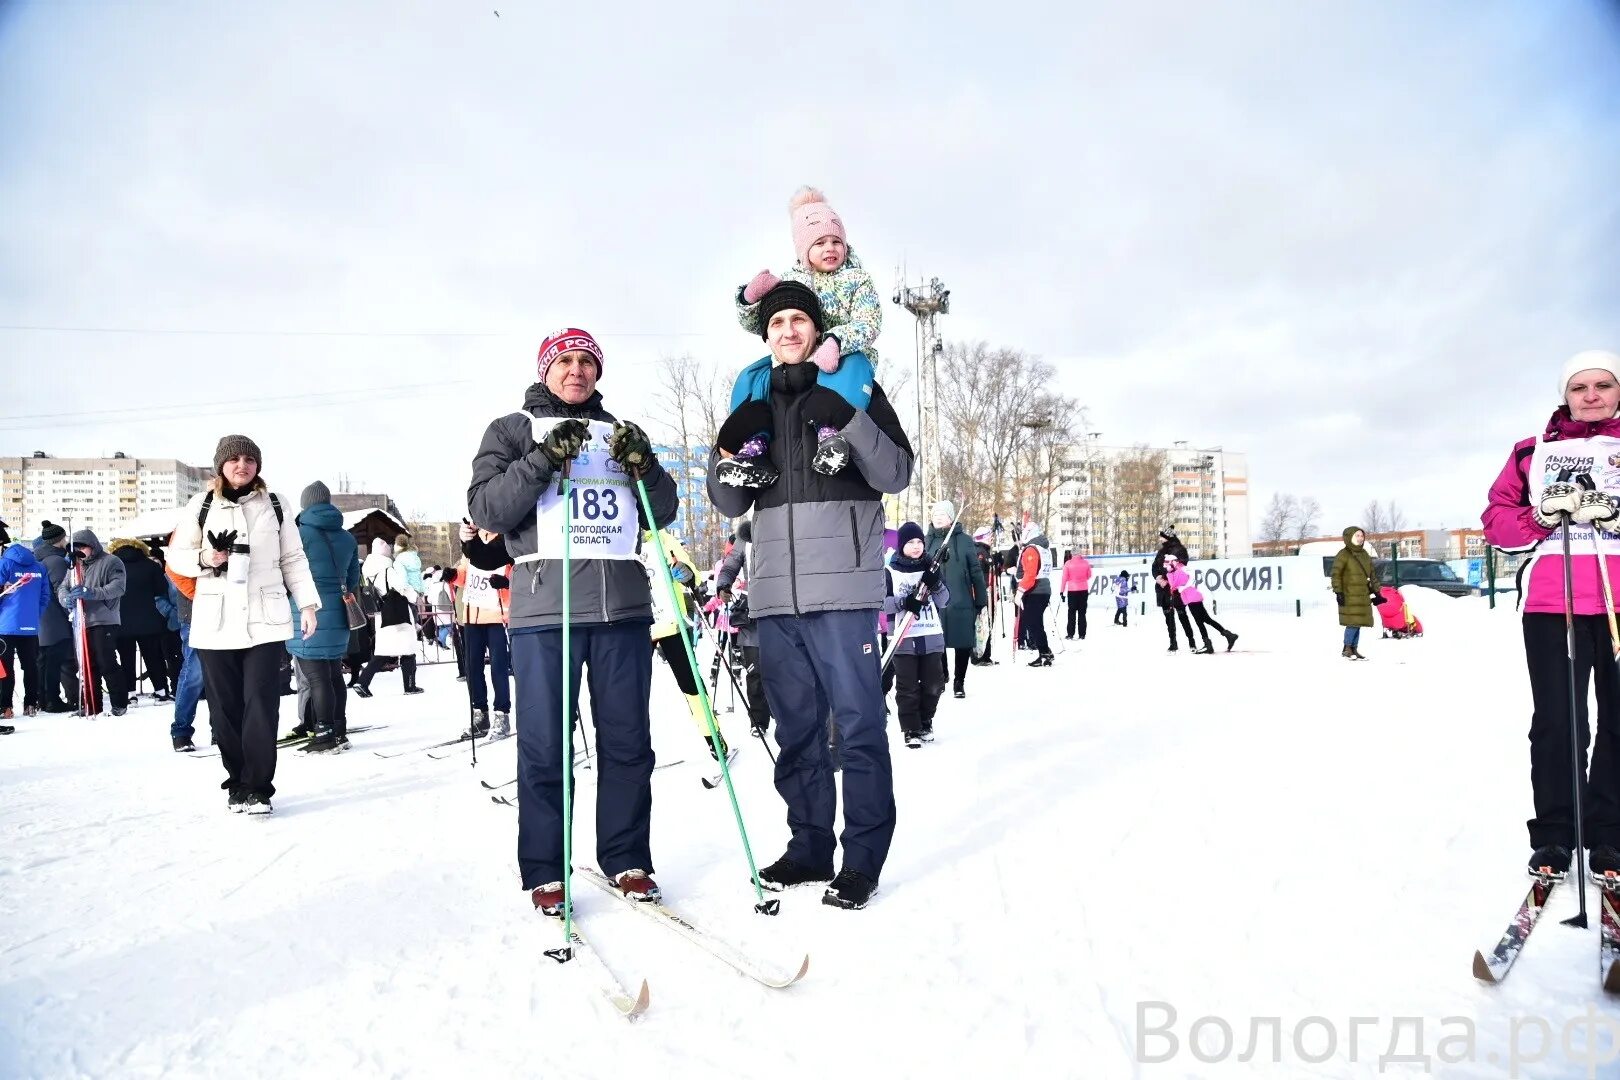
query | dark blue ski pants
(618,667)
(812,665)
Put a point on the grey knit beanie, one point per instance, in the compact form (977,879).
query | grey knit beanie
(315,493)
(232,446)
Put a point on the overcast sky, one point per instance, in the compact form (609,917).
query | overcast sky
(1355,241)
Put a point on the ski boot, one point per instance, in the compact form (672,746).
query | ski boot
(784,873)
(548,899)
(480,725)
(637,885)
(1553,859)
(500,728)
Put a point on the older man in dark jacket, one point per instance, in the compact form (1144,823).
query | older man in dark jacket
(816,588)
(100,587)
(516,491)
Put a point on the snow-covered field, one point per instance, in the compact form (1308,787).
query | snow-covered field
(1271,833)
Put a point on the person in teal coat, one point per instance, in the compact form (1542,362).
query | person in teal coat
(334,563)
(964,577)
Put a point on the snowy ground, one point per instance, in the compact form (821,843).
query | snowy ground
(1271,833)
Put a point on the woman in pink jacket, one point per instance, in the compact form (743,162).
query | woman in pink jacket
(1528,505)
(1181,583)
(1077,587)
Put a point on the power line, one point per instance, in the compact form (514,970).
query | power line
(253,332)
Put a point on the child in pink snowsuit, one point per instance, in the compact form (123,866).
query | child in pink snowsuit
(1181,584)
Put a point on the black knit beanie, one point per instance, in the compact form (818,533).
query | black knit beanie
(790,295)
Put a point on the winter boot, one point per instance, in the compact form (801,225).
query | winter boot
(323,742)
(748,467)
(480,725)
(1551,859)
(1231,640)
(302,731)
(501,728)
(832,453)
(6,714)
(7,729)
(414,689)
(1602,859)
(1355,653)
(1204,650)
(1345,652)
(1173,648)
(913,741)
(362,690)
(637,885)
(784,873)
(1043,660)
(548,899)
(236,802)
(182,744)
(30,710)
(850,890)
(254,803)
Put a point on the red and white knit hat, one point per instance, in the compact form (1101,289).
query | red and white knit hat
(566,340)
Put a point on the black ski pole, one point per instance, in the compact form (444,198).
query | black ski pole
(1575,747)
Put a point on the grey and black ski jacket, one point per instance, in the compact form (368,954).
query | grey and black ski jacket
(509,474)
(818,540)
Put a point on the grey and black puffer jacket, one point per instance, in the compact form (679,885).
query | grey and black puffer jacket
(818,540)
(509,474)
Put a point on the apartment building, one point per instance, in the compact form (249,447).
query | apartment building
(93,493)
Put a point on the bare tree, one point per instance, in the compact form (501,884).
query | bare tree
(691,406)
(1382,519)
(1278,521)
(1308,518)
(1137,500)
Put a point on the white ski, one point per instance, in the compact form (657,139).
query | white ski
(723,951)
(609,984)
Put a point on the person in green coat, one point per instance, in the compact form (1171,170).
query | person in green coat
(964,578)
(1355,587)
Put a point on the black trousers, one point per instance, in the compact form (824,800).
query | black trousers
(244,702)
(1033,623)
(151,654)
(1546,657)
(1122,614)
(919,680)
(674,654)
(58,675)
(1205,621)
(1077,615)
(22,663)
(328,697)
(960,659)
(104,669)
(407,670)
(759,712)
(1170,613)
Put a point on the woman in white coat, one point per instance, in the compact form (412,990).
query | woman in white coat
(396,619)
(246,555)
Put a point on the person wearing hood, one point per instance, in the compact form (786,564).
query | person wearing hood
(396,615)
(1539,493)
(334,564)
(58,664)
(965,593)
(517,491)
(235,539)
(1122,599)
(409,563)
(1355,589)
(140,623)
(100,588)
(916,586)
(24,597)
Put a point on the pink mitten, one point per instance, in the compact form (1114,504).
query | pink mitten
(760,284)
(826,355)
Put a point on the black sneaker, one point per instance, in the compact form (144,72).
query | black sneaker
(7,729)
(237,801)
(1553,858)
(254,803)
(850,890)
(415,690)
(361,691)
(1231,640)
(302,731)
(913,741)
(1204,650)
(326,744)
(749,472)
(832,454)
(1603,859)
(1044,660)
(961,693)
(182,744)
(120,712)
(784,873)
(343,741)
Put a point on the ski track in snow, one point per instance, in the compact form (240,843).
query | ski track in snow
(1272,833)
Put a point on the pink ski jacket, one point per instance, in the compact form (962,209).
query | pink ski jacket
(1076,574)
(1510,524)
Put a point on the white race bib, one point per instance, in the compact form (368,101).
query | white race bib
(601,502)
(478,593)
(1599,457)
(927,621)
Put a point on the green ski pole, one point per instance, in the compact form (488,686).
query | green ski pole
(567,712)
(763,906)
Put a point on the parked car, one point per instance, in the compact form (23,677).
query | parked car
(1429,573)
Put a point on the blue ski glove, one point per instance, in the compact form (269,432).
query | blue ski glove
(77,593)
